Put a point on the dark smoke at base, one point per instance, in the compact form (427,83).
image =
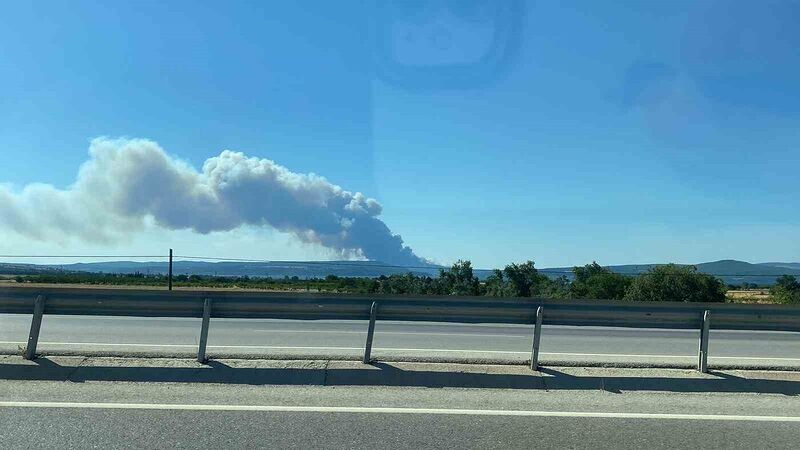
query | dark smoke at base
(126,182)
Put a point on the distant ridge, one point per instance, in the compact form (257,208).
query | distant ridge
(795,266)
(730,271)
(24,269)
(274,269)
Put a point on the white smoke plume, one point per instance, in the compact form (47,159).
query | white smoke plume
(126,182)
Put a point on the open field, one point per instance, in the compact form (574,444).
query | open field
(749,296)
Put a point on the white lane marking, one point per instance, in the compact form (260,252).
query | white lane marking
(191,346)
(393,349)
(364,333)
(383,410)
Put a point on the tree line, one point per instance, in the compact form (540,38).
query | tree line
(668,282)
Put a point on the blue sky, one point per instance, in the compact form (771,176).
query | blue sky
(562,132)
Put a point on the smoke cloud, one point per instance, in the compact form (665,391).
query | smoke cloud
(126,183)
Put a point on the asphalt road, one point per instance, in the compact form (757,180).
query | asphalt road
(398,339)
(48,414)
(92,428)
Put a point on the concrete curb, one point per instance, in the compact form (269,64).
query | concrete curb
(645,363)
(328,372)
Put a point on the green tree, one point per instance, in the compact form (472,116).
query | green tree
(594,281)
(786,289)
(557,288)
(459,279)
(673,283)
(523,279)
(788,282)
(495,284)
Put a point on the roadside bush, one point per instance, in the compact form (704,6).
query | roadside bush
(594,281)
(673,283)
(516,280)
(523,280)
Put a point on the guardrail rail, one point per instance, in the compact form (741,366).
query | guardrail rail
(311,306)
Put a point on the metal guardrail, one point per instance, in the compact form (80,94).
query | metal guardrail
(309,306)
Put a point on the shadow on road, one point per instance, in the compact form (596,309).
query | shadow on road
(388,374)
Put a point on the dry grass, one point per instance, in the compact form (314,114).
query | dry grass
(750,296)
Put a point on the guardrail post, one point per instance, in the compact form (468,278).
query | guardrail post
(702,363)
(201,352)
(537,337)
(373,312)
(36,326)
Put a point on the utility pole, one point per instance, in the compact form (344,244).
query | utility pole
(169,275)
